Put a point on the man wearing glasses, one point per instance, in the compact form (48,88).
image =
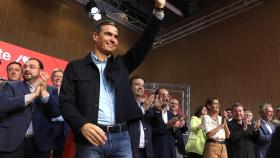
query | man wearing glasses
(26,131)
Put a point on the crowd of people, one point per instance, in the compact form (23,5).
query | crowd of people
(233,133)
(111,116)
(157,134)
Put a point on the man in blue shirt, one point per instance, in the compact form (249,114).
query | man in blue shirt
(95,98)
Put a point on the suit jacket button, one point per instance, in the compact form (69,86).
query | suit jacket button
(96,105)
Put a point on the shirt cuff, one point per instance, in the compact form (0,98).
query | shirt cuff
(45,99)
(158,14)
(27,99)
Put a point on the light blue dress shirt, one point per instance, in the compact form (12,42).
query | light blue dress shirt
(106,112)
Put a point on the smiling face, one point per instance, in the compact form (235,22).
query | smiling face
(106,40)
(268,113)
(31,70)
(137,87)
(57,79)
(238,113)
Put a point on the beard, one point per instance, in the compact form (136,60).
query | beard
(27,77)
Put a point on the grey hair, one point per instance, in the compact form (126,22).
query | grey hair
(56,70)
(263,107)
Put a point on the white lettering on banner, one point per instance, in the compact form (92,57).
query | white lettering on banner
(23,58)
(5,55)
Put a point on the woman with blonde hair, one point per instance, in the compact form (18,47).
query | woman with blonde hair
(197,138)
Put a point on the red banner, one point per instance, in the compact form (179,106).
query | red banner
(10,52)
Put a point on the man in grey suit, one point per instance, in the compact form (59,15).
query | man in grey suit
(266,130)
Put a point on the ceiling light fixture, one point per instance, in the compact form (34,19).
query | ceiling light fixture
(93,11)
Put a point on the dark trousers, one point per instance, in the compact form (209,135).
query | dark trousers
(59,140)
(27,149)
(142,153)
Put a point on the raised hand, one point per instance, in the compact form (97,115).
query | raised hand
(43,83)
(94,134)
(245,123)
(257,124)
(172,123)
(36,92)
(160,3)
(224,117)
(180,123)
(148,101)
(158,103)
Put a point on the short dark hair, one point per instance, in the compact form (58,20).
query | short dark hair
(135,77)
(14,62)
(228,109)
(236,105)
(41,65)
(209,101)
(104,22)
(198,111)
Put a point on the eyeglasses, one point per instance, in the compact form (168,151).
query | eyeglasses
(31,66)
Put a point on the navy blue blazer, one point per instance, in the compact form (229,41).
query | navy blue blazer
(79,93)
(163,139)
(178,137)
(14,126)
(149,120)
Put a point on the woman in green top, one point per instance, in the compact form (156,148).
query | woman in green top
(197,138)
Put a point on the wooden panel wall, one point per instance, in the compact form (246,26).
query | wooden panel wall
(60,28)
(237,60)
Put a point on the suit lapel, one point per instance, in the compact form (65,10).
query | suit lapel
(264,128)
(25,88)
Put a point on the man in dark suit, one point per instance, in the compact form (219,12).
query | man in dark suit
(14,73)
(274,151)
(163,136)
(141,131)
(95,98)
(59,126)
(178,132)
(243,135)
(266,130)
(28,105)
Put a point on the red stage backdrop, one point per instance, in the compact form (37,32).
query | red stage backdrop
(10,52)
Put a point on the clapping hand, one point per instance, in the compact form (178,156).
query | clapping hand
(148,101)
(43,83)
(257,125)
(158,103)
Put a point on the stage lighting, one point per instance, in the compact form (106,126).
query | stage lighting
(93,11)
